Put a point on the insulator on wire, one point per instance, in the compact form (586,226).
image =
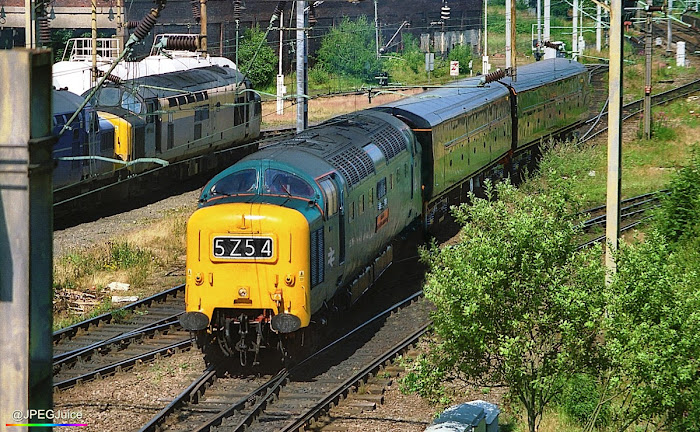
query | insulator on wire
(110,77)
(236,10)
(196,10)
(445,12)
(493,76)
(132,24)
(182,42)
(280,7)
(145,25)
(312,16)
(44,30)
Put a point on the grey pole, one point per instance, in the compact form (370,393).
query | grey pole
(669,34)
(598,27)
(647,80)
(574,41)
(302,108)
(26,237)
(539,25)
(376,28)
(612,228)
(509,41)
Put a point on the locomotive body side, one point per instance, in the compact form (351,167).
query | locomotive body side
(180,115)
(76,141)
(328,202)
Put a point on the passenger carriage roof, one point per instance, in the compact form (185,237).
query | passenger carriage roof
(433,107)
(192,80)
(544,72)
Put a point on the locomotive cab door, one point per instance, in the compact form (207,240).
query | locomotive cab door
(334,251)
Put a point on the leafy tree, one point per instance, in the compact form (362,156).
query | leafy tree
(516,303)
(253,46)
(350,49)
(680,210)
(462,54)
(652,339)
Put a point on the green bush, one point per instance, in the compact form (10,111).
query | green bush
(579,400)
(679,216)
(263,68)
(350,49)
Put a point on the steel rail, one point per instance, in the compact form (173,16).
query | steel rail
(635,107)
(389,355)
(126,363)
(131,336)
(70,331)
(190,394)
(262,395)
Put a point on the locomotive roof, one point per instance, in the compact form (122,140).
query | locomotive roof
(178,82)
(338,144)
(64,101)
(544,72)
(433,107)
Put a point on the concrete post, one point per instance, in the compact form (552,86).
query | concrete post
(598,27)
(509,24)
(612,228)
(574,41)
(302,107)
(26,236)
(647,79)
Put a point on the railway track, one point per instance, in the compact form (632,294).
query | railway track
(296,396)
(632,212)
(111,342)
(598,124)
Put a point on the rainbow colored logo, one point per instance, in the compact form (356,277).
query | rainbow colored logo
(45,424)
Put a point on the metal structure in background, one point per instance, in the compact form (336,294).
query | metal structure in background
(612,227)
(648,48)
(26,236)
(302,68)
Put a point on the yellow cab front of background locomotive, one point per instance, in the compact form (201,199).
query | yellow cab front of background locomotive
(249,258)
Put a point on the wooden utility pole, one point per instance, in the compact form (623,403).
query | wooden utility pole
(612,227)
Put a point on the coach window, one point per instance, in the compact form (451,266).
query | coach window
(391,181)
(371,196)
(352,210)
(362,204)
(381,188)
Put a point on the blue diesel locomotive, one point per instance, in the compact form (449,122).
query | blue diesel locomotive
(305,226)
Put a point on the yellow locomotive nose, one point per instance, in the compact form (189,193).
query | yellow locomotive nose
(255,256)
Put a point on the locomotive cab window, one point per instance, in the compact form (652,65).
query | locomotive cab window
(244,181)
(283,183)
(131,102)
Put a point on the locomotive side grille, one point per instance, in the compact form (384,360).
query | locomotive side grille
(354,164)
(389,141)
(317,261)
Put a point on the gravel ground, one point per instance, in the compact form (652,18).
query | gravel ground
(83,236)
